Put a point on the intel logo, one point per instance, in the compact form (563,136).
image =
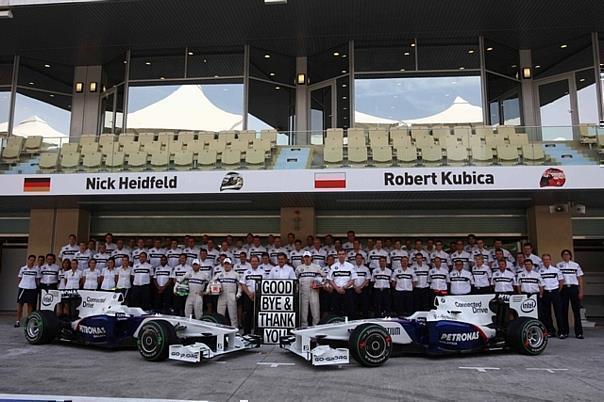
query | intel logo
(528,305)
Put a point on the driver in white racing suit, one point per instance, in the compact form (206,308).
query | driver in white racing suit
(307,274)
(198,281)
(230,291)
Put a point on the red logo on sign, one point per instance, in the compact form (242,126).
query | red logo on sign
(553,177)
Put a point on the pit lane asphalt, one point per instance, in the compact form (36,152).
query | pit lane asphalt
(63,369)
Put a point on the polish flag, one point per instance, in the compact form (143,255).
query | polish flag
(330,180)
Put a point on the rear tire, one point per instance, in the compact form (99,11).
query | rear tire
(331,319)
(215,318)
(527,336)
(154,340)
(42,327)
(370,345)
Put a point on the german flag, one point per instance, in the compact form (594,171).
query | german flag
(31,184)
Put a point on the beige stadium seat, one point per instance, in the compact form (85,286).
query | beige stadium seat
(399,141)
(206,136)
(441,134)
(109,148)
(483,131)
(399,132)
(70,162)
(378,137)
(601,143)
(183,160)
(381,155)
(207,159)
(92,161)
(270,135)
(152,147)
(165,137)
(247,135)
(424,141)
(88,139)
(106,139)
(506,131)
(33,144)
(48,162)
(419,131)
(334,141)
(137,161)
(160,160)
(195,146)
(495,140)
(69,148)
(336,134)
(451,141)
(357,156)
(255,159)
(356,137)
(126,138)
(587,134)
(186,136)
(115,160)
(457,155)
(518,139)
(533,154)
(131,148)
(89,148)
(432,155)
(261,143)
(508,154)
(482,155)
(476,141)
(227,136)
(146,138)
(241,145)
(231,158)
(218,145)
(173,146)
(406,155)
(333,156)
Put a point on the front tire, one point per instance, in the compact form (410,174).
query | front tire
(154,340)
(42,327)
(527,336)
(370,345)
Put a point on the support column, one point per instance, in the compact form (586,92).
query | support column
(299,221)
(49,228)
(302,103)
(528,99)
(85,105)
(550,231)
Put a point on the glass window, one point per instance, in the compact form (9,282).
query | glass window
(272,66)
(343,102)
(202,64)
(328,64)
(114,72)
(6,70)
(448,55)
(400,58)
(205,106)
(587,97)
(270,106)
(157,64)
(501,59)
(555,109)
(418,100)
(4,109)
(504,100)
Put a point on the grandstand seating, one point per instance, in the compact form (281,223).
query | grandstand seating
(355,147)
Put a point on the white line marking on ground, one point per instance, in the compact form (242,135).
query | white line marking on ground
(16,397)
(479,369)
(549,370)
(273,365)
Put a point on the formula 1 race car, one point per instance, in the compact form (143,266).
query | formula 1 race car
(101,319)
(458,324)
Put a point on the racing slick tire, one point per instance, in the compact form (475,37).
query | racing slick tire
(154,340)
(527,336)
(215,318)
(42,327)
(370,345)
(331,319)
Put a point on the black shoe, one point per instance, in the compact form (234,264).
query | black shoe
(17,324)
(580,336)
(562,336)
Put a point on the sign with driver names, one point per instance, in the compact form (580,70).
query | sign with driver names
(276,309)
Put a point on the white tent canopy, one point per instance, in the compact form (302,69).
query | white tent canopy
(187,108)
(364,119)
(34,125)
(461,111)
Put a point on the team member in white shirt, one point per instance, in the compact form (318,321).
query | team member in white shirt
(226,250)
(256,248)
(140,248)
(265,263)
(68,250)
(65,267)
(361,285)
(381,277)
(282,270)
(242,265)
(156,253)
(396,254)
(276,249)
(248,282)
(499,255)
(124,278)
(480,249)
(498,245)
(192,251)
(503,280)
(72,280)
(527,250)
(423,299)
(178,274)
(109,245)
(91,277)
(83,256)
(374,255)
(109,276)
(461,254)
(440,253)
(571,292)
(230,292)
(295,255)
(120,253)
(163,286)
(27,293)
(356,249)
(461,279)
(308,274)
(101,257)
(438,276)
(552,284)
(173,254)
(197,281)
(471,244)
(291,238)
(49,273)
(318,253)
(529,281)
(419,248)
(341,277)
(142,273)
(482,275)
(404,280)
(349,244)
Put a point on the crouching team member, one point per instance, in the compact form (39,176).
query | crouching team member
(141,283)
(178,274)
(229,282)
(342,276)
(381,278)
(197,281)
(361,285)
(404,280)
(29,276)
(307,274)
(438,277)
(461,279)
(503,280)
(162,281)
(248,281)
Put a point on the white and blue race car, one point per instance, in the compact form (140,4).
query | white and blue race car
(458,324)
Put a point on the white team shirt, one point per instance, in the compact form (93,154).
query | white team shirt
(445,258)
(318,256)
(537,262)
(482,276)
(213,255)
(142,274)
(506,254)
(267,268)
(463,256)
(529,282)
(138,251)
(173,254)
(421,273)
(486,254)
(347,246)
(341,273)
(256,251)
(83,258)
(396,256)
(118,254)
(404,279)
(91,279)
(381,278)
(423,252)
(49,274)
(206,266)
(461,282)
(108,275)
(67,251)
(503,282)
(109,247)
(551,277)
(240,267)
(155,255)
(72,279)
(252,276)
(179,271)
(571,271)
(362,273)
(373,257)
(162,274)
(101,260)
(438,278)
(28,277)
(352,255)
(295,257)
(192,253)
(274,252)
(124,280)
(284,272)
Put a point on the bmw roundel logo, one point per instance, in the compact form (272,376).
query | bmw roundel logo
(47,299)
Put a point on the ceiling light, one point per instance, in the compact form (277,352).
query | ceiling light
(406,54)
(514,66)
(267,56)
(273,2)
(271,74)
(31,83)
(344,85)
(462,68)
(343,71)
(148,63)
(6,14)
(344,108)
(582,80)
(216,76)
(336,54)
(563,46)
(344,56)
(537,66)
(190,53)
(162,78)
(125,61)
(93,86)
(205,60)
(52,95)
(402,69)
(47,65)
(344,97)
(79,87)
(489,49)
(277,87)
(413,45)
(470,51)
